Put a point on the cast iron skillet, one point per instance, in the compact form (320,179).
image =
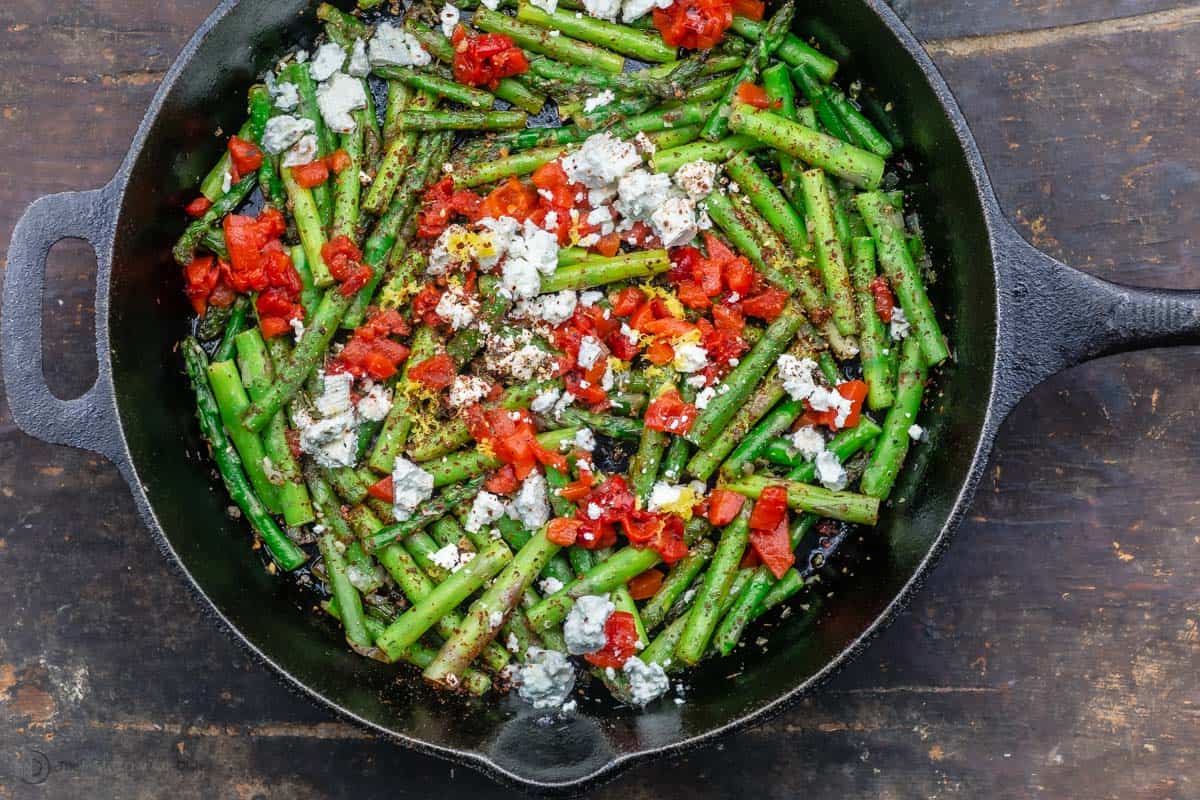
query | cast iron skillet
(1018,317)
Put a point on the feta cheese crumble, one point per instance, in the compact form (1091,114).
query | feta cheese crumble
(550,585)
(899,326)
(393,46)
(641,192)
(411,486)
(696,178)
(546,678)
(284,131)
(449,17)
(302,152)
(690,357)
(376,403)
(332,439)
(327,60)
(797,375)
(360,65)
(674,222)
(338,98)
(585,439)
(457,307)
(601,160)
(647,682)
(599,100)
(603,9)
(809,442)
(916,432)
(590,349)
(531,505)
(467,389)
(830,471)
(545,401)
(486,509)
(584,626)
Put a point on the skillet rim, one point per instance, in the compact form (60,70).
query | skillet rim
(998,230)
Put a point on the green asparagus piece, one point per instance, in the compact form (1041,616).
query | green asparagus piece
(642,45)
(682,573)
(460,120)
(283,550)
(769,40)
(539,40)
(844,506)
(860,167)
(888,231)
(792,50)
(843,445)
(876,366)
(705,613)
(598,272)
(893,445)
(831,256)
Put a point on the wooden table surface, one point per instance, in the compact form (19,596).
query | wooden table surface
(1055,652)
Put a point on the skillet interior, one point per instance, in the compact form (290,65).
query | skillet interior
(148,314)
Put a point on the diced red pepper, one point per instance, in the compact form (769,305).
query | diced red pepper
(312,174)
(621,639)
(645,585)
(246,156)
(273,326)
(694,24)
(751,9)
(627,301)
(885,302)
(752,95)
(660,353)
(382,489)
(723,506)
(768,305)
(774,548)
(344,260)
(436,372)
(482,60)
(338,160)
(669,413)
(770,509)
(562,531)
(510,199)
(198,207)
(692,295)
(503,480)
(200,277)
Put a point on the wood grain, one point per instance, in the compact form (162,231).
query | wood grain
(1053,654)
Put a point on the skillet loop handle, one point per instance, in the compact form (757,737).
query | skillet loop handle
(89,421)
(1055,317)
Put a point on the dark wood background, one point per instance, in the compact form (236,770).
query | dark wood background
(1055,653)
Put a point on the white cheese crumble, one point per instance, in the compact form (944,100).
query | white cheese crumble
(603,9)
(284,131)
(690,357)
(332,439)
(647,682)
(590,349)
(916,432)
(466,390)
(491,4)
(327,60)
(449,17)
(674,222)
(447,557)
(585,439)
(663,495)
(553,309)
(705,396)
(601,160)
(696,178)
(302,152)
(411,486)
(549,6)
(641,192)
(635,9)
(550,586)
(338,98)
(599,100)
(393,46)
(899,326)
(797,375)
(590,297)
(531,505)
(830,471)
(457,307)
(809,442)
(360,65)
(584,626)
(546,678)
(823,399)
(545,401)
(285,95)
(486,509)
(376,403)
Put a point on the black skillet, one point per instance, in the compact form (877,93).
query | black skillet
(1018,316)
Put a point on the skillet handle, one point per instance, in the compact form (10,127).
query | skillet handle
(88,421)
(1053,317)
